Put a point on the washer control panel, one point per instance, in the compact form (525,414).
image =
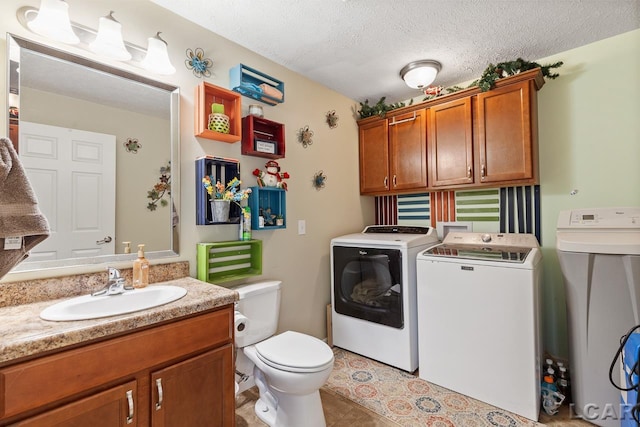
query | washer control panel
(604,217)
(522,240)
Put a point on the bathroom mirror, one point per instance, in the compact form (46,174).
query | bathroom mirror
(124,122)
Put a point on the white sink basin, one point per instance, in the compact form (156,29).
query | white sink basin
(90,307)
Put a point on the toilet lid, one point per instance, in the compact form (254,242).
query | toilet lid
(295,352)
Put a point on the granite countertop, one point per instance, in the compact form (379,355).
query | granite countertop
(24,334)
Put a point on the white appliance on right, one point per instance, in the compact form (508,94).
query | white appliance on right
(478,318)
(599,253)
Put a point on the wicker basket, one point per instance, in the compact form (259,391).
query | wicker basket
(219,122)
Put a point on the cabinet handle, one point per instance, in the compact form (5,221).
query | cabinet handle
(394,181)
(386,182)
(393,120)
(468,171)
(483,171)
(130,402)
(160,394)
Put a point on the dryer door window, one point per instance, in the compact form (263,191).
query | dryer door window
(368,284)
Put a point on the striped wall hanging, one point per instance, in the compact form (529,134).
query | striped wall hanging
(504,210)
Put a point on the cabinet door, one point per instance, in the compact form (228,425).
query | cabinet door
(408,151)
(111,408)
(506,130)
(199,391)
(374,157)
(450,143)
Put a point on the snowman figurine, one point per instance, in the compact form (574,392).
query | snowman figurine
(272,177)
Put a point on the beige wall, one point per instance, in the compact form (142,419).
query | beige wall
(300,261)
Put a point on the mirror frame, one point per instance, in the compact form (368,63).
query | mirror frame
(174,104)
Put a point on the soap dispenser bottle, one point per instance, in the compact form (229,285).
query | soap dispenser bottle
(140,269)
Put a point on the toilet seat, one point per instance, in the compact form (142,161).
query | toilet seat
(295,352)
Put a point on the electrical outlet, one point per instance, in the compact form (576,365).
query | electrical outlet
(302,226)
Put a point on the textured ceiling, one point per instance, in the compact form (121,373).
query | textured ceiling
(357,47)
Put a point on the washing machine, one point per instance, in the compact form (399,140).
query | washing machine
(479,318)
(599,254)
(373,292)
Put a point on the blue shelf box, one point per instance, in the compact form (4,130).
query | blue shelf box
(254,84)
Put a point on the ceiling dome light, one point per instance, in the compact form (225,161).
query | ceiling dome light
(420,74)
(157,58)
(53,22)
(109,40)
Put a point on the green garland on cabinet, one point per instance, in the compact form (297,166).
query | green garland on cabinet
(486,82)
(380,108)
(505,69)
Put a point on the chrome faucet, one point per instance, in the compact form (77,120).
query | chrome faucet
(115,286)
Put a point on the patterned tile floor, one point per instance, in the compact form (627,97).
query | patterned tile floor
(363,392)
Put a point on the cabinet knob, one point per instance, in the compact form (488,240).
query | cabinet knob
(386,182)
(468,171)
(394,181)
(483,171)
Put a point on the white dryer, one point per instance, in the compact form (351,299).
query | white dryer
(373,292)
(478,318)
(599,254)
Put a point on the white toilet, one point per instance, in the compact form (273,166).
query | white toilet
(288,368)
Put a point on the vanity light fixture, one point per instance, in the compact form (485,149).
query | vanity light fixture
(109,40)
(157,58)
(420,74)
(106,42)
(52,21)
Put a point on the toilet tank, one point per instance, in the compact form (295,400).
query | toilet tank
(260,304)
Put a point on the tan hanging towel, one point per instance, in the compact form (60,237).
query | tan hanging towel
(22,225)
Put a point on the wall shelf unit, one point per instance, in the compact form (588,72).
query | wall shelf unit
(220,262)
(262,138)
(222,169)
(208,94)
(273,202)
(257,85)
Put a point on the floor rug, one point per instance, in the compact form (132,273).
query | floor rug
(410,401)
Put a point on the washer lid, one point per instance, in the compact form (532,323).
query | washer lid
(295,352)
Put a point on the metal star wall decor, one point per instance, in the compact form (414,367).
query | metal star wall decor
(332,119)
(304,136)
(198,63)
(319,180)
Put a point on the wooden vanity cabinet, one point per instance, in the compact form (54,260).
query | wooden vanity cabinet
(393,153)
(111,408)
(179,373)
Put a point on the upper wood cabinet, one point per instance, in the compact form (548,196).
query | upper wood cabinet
(473,139)
(450,143)
(393,154)
(374,157)
(507,134)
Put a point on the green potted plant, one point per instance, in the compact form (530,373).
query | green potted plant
(279,220)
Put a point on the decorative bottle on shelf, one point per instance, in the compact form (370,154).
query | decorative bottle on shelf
(246,220)
(140,269)
(261,219)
